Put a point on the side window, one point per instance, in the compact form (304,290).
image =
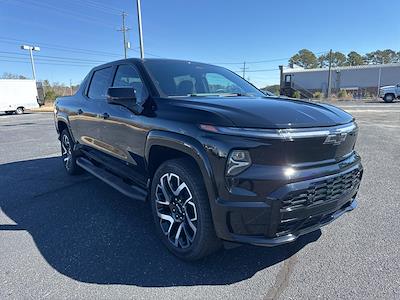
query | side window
(128,76)
(100,83)
(220,84)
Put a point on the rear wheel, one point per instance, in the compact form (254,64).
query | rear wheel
(67,153)
(388,98)
(181,210)
(19,111)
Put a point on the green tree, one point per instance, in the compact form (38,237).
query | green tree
(338,60)
(296,95)
(354,59)
(7,75)
(275,89)
(318,95)
(50,96)
(304,58)
(381,57)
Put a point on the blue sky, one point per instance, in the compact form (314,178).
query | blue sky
(76,35)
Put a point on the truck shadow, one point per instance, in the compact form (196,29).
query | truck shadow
(91,233)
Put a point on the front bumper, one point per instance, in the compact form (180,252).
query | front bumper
(294,209)
(291,237)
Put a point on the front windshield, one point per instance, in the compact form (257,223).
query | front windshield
(181,78)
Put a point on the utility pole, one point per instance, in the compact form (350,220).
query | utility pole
(244,69)
(70,87)
(124,30)
(31,48)
(379,82)
(328,94)
(139,15)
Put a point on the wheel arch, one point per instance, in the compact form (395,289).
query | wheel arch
(185,146)
(62,123)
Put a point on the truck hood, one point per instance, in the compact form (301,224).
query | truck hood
(259,112)
(388,87)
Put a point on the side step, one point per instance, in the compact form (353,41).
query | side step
(116,182)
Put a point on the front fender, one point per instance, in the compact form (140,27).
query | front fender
(189,146)
(61,116)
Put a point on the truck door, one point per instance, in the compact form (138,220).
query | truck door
(86,121)
(123,132)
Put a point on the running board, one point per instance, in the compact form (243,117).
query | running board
(116,182)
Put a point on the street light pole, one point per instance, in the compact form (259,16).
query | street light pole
(139,14)
(31,49)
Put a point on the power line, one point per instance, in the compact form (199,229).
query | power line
(63,12)
(100,7)
(47,60)
(56,57)
(261,61)
(259,70)
(46,63)
(147,52)
(59,47)
(71,49)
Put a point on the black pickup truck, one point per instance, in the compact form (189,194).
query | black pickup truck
(218,160)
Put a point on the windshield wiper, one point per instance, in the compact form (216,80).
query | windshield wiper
(221,95)
(204,94)
(214,95)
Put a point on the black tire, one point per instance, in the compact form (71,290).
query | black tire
(68,154)
(19,111)
(191,245)
(388,98)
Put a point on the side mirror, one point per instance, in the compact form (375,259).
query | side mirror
(125,96)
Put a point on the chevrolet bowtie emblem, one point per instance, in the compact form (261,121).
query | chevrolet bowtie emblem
(335,138)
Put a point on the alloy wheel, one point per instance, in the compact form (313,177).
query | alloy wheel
(176,210)
(66,151)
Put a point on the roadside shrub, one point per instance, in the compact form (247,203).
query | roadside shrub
(296,95)
(342,94)
(318,95)
(50,96)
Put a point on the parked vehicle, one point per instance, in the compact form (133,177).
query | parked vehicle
(390,93)
(16,95)
(218,160)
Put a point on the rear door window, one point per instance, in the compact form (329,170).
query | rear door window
(101,81)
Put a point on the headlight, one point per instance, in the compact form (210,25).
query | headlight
(238,161)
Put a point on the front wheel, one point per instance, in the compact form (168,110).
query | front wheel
(19,111)
(181,210)
(67,153)
(388,98)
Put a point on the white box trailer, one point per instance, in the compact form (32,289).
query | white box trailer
(17,95)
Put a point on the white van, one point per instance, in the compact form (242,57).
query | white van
(17,95)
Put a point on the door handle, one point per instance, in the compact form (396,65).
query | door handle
(106,116)
(80,111)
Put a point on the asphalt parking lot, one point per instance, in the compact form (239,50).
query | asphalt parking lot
(75,237)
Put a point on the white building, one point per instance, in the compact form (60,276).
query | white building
(361,81)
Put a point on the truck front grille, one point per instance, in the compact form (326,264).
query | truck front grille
(323,191)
